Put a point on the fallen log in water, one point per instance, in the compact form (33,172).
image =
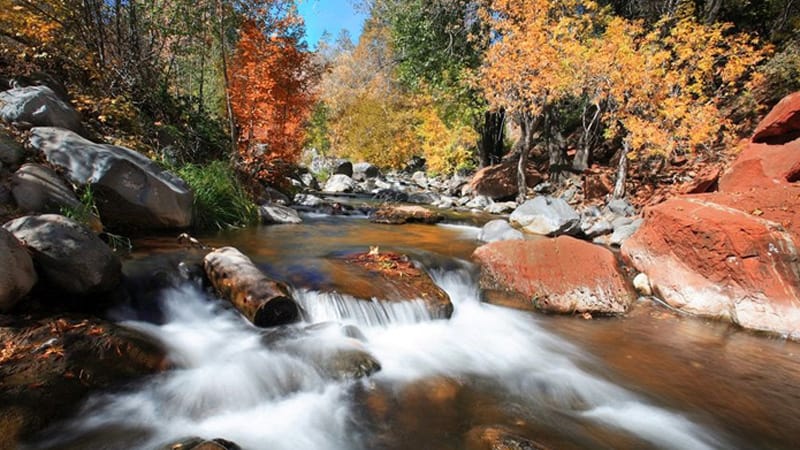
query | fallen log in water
(263,301)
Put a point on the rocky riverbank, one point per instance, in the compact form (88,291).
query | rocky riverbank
(725,247)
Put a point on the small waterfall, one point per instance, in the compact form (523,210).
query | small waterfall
(332,306)
(230,384)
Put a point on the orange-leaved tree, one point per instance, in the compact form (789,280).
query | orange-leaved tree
(271,78)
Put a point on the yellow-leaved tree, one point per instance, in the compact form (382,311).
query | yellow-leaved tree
(655,90)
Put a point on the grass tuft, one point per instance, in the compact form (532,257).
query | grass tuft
(219,200)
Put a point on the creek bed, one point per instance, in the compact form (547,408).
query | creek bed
(649,380)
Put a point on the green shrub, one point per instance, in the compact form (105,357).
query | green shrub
(219,200)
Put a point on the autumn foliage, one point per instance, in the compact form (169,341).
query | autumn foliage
(270,90)
(658,89)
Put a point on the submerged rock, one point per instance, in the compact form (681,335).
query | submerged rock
(561,275)
(198,443)
(396,215)
(498,438)
(68,255)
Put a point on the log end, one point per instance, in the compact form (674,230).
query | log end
(280,310)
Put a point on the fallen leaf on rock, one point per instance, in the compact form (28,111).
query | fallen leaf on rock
(757,212)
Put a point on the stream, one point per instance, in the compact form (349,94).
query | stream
(652,379)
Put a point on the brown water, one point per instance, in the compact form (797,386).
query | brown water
(652,379)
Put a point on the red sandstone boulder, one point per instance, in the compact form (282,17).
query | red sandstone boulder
(713,260)
(389,277)
(782,124)
(562,275)
(705,181)
(500,181)
(763,166)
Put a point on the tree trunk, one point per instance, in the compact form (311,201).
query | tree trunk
(491,140)
(263,301)
(622,173)
(523,149)
(590,125)
(226,80)
(554,144)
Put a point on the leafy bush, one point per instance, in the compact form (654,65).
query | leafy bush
(219,200)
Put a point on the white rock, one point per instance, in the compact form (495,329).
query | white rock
(641,283)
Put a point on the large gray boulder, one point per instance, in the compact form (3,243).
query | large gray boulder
(278,214)
(343,167)
(39,106)
(339,183)
(17,275)
(38,189)
(131,191)
(11,153)
(546,216)
(69,256)
(499,230)
(365,171)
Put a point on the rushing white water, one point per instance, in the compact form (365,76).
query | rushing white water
(237,383)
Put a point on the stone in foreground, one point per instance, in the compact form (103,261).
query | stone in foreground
(68,255)
(263,301)
(17,275)
(561,275)
(716,261)
(131,191)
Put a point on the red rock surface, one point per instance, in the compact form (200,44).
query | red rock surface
(705,181)
(563,275)
(763,166)
(500,181)
(782,124)
(733,254)
(713,260)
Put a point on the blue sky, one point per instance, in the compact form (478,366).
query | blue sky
(330,15)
